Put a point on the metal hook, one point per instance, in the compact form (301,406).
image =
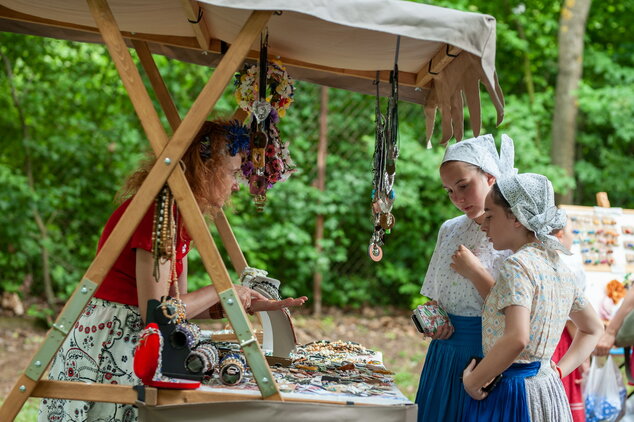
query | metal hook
(200,16)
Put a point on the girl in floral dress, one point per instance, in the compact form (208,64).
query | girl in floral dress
(527,309)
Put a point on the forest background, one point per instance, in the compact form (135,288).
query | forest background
(69,137)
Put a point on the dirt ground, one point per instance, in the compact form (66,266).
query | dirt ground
(388,331)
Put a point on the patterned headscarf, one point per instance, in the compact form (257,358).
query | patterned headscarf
(481,152)
(532,201)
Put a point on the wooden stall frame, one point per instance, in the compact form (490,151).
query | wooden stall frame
(165,169)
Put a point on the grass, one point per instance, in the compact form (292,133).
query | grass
(29,410)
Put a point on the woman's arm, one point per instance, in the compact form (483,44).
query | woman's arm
(606,342)
(199,301)
(469,266)
(196,302)
(589,330)
(503,353)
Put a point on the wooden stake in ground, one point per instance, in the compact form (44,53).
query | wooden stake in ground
(322,152)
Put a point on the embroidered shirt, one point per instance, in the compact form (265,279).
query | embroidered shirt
(454,293)
(119,285)
(537,279)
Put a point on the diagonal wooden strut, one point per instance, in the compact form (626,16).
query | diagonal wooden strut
(187,204)
(171,112)
(156,178)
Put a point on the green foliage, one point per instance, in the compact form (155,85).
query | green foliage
(70,137)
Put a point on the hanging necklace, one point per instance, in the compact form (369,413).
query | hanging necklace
(386,151)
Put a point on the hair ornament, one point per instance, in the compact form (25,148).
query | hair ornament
(237,138)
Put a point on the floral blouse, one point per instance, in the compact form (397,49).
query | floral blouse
(537,279)
(454,293)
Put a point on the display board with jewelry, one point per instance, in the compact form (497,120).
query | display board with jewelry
(603,242)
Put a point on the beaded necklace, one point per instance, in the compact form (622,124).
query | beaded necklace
(164,231)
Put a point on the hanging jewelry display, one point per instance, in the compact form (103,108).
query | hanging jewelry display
(164,231)
(386,152)
(268,160)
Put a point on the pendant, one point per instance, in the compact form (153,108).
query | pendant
(375,252)
(261,110)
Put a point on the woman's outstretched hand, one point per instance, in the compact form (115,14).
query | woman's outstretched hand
(258,305)
(253,301)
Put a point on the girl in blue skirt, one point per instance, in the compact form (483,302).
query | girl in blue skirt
(527,309)
(460,274)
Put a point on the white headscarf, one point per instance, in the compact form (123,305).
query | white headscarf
(532,201)
(482,153)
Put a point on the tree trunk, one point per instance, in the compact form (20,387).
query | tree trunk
(28,170)
(572,25)
(320,183)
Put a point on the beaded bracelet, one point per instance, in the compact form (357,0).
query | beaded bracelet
(202,360)
(232,367)
(190,331)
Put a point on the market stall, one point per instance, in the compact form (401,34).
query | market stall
(428,55)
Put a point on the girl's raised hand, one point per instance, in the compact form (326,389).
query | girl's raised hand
(465,263)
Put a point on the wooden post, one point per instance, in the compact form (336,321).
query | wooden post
(322,152)
(602,200)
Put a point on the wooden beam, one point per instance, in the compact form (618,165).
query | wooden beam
(441,59)
(13,402)
(405,78)
(73,390)
(195,16)
(162,94)
(220,220)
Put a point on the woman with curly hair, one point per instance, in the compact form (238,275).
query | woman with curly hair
(100,347)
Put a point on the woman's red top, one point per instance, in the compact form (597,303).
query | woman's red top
(119,285)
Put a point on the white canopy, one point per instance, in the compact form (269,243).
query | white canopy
(443,54)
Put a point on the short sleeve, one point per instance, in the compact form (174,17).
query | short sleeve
(514,286)
(580,301)
(142,236)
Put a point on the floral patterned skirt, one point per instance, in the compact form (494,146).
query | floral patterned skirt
(99,349)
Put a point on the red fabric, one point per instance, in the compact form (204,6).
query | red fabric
(146,355)
(572,383)
(119,285)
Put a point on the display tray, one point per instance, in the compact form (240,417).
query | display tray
(326,371)
(327,380)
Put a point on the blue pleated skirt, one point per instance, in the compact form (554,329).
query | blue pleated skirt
(441,396)
(507,401)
